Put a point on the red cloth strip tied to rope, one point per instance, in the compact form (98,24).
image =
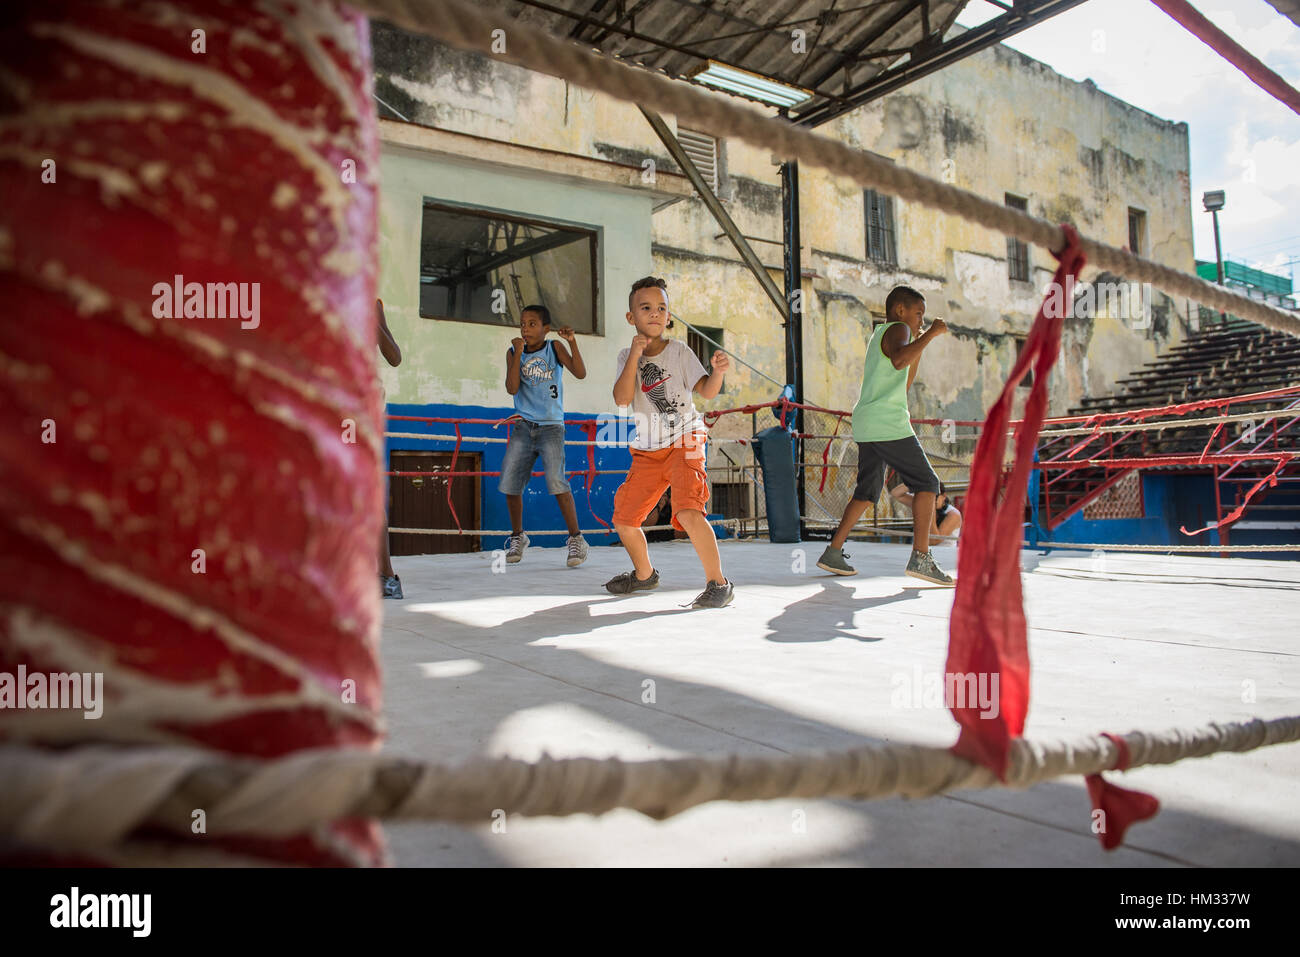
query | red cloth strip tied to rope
(1116,809)
(988,632)
(1270,480)
(455,454)
(190,492)
(589,429)
(826,454)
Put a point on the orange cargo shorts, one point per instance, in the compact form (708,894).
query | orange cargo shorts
(679,466)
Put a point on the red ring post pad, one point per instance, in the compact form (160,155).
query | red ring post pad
(987,631)
(190,493)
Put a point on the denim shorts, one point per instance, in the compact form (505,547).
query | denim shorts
(527,441)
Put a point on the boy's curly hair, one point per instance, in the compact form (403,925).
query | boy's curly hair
(648,282)
(543,313)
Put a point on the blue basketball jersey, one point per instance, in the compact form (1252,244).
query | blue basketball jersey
(540,398)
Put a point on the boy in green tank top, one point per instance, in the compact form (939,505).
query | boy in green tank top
(882,427)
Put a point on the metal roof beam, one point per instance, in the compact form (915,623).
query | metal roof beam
(850,54)
(719,212)
(923,61)
(654,42)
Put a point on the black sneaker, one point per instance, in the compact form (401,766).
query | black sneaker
(715,595)
(627,583)
(923,566)
(391,587)
(832,560)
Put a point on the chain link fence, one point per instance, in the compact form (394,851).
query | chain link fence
(827,458)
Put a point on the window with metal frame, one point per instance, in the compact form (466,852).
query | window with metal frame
(1017,249)
(879,217)
(1028,381)
(704,349)
(1137,229)
(484,266)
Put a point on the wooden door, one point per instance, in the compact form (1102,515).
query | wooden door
(421,502)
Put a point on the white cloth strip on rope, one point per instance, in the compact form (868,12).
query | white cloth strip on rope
(468,27)
(95,796)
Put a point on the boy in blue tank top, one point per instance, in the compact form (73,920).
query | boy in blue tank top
(534,376)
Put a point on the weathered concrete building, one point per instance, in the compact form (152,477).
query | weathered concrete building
(484,148)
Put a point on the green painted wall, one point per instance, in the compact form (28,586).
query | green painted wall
(464,362)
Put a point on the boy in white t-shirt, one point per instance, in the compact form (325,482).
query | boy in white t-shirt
(657,378)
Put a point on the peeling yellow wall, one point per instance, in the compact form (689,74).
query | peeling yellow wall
(994,123)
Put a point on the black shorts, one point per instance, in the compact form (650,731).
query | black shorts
(905,456)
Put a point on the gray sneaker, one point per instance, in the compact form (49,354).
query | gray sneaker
(577,550)
(627,583)
(923,566)
(832,560)
(715,595)
(515,546)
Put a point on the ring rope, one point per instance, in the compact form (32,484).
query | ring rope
(1035,546)
(466,27)
(1163,461)
(120,791)
(1266,416)
(1096,419)
(447,473)
(434,437)
(733,524)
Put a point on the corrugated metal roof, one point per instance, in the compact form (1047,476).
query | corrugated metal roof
(845,41)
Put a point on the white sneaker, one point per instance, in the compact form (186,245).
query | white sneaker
(515,546)
(577,551)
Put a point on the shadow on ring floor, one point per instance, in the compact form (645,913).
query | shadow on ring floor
(513,665)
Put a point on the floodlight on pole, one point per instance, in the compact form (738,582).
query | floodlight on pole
(1213,201)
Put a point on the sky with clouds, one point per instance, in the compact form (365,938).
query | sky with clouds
(1242,140)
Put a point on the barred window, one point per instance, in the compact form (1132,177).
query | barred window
(704,349)
(881,246)
(1137,227)
(1017,249)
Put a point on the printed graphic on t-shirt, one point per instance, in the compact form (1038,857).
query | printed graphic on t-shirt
(535,369)
(663,405)
(654,382)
